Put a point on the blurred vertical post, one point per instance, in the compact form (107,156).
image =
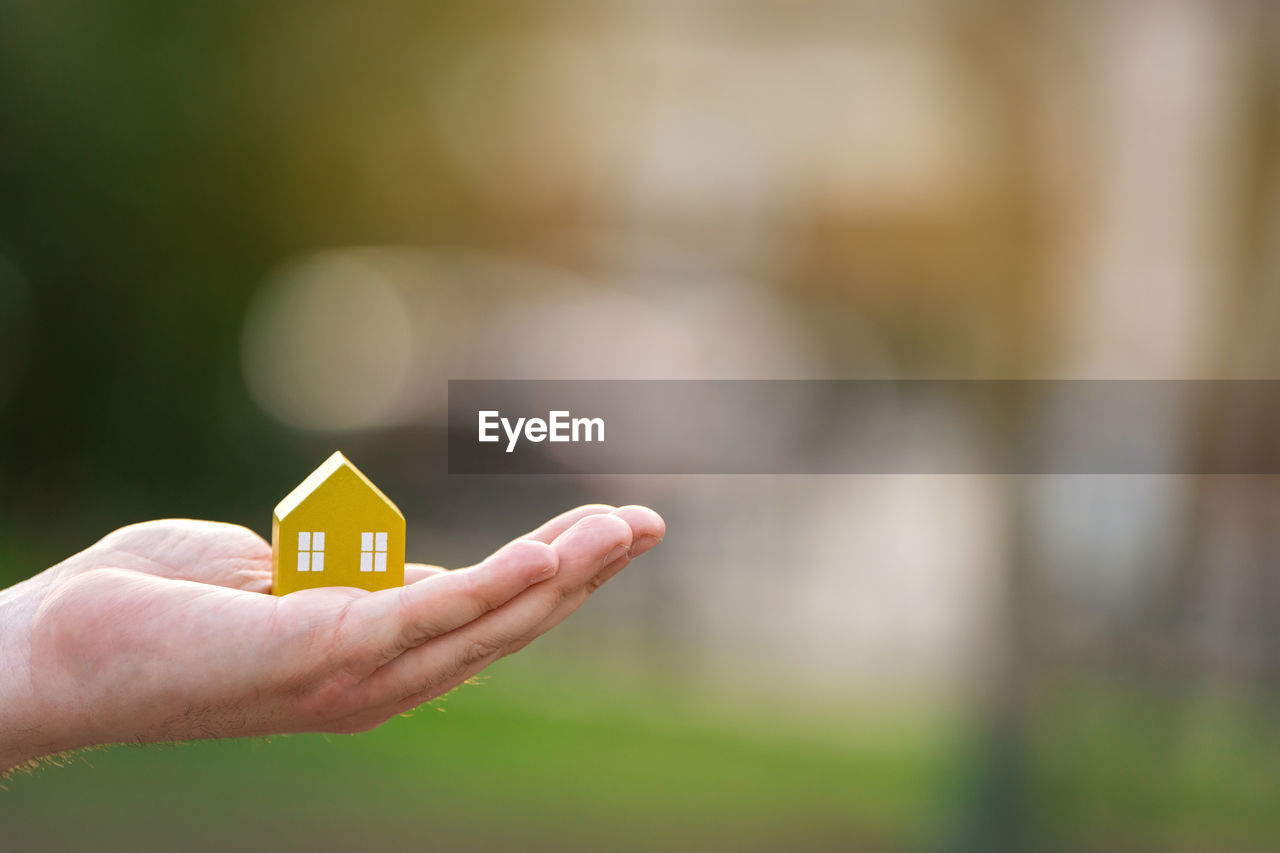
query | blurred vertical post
(1136,120)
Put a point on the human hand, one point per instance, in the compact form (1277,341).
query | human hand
(163,631)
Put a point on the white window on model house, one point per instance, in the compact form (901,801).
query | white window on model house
(311,551)
(373,552)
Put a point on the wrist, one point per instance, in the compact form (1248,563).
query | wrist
(22,720)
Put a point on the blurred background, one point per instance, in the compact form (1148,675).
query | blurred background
(237,236)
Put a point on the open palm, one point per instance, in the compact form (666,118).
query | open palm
(163,631)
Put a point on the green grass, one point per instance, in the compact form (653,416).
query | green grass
(561,757)
(1150,774)
(493,767)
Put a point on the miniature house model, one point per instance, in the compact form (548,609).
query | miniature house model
(336,529)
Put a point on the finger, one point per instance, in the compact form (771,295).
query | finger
(438,665)
(562,522)
(414,572)
(647,528)
(647,531)
(394,620)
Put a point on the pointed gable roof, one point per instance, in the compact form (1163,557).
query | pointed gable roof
(331,466)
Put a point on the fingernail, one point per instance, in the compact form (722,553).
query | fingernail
(615,554)
(644,543)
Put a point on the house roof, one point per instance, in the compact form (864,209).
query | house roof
(318,477)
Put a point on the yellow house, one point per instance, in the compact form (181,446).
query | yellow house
(336,529)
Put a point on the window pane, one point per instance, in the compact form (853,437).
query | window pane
(304,542)
(304,558)
(366,541)
(381,543)
(317,540)
(366,561)
(380,561)
(317,561)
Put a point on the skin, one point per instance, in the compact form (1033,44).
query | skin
(164,631)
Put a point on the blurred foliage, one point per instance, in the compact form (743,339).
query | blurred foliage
(157,160)
(496,766)
(526,760)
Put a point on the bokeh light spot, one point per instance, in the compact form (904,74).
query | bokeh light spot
(327,344)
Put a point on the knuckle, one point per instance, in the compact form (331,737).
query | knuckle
(519,644)
(414,632)
(418,697)
(479,591)
(405,688)
(472,653)
(560,594)
(423,696)
(332,696)
(570,598)
(406,693)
